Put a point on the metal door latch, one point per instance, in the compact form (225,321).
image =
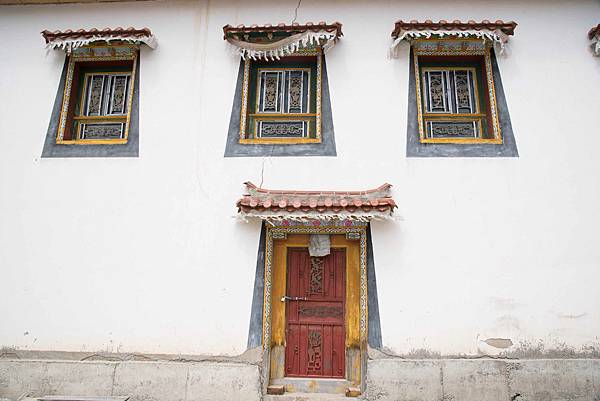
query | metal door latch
(285,297)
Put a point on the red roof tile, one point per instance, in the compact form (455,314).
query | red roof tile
(130,32)
(259,200)
(229,30)
(507,27)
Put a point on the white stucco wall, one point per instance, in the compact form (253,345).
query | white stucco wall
(143,254)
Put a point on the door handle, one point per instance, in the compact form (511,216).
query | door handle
(288,298)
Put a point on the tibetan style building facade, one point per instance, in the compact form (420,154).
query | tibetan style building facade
(222,200)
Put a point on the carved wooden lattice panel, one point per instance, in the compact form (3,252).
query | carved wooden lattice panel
(282,92)
(315,352)
(315,332)
(450,92)
(316,275)
(106,96)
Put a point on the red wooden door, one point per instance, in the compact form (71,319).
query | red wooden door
(315,318)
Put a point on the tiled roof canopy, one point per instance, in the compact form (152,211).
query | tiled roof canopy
(240,30)
(70,39)
(291,204)
(508,28)
(493,32)
(271,42)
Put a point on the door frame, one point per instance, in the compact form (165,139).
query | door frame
(349,234)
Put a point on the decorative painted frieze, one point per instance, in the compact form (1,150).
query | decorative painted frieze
(271,42)
(70,40)
(495,33)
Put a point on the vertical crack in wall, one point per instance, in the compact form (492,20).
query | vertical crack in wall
(187,383)
(262,169)
(507,377)
(442,381)
(296,11)
(509,367)
(200,29)
(114,375)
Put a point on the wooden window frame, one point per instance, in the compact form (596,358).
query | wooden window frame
(473,54)
(249,111)
(95,59)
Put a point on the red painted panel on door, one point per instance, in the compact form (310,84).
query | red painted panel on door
(315,314)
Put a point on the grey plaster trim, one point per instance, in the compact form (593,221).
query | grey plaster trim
(374,336)
(414,148)
(130,149)
(256,312)
(326,148)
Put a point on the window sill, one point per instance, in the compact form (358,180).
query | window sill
(279,141)
(93,142)
(463,141)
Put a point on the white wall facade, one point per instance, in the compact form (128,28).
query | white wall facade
(144,255)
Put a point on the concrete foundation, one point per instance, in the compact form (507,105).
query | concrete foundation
(393,379)
(143,381)
(483,380)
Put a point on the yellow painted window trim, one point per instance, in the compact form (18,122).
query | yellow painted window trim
(422,116)
(462,140)
(119,141)
(279,141)
(245,114)
(73,59)
(265,116)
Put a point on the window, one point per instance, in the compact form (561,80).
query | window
(104,106)
(97,102)
(281,100)
(456,102)
(281,105)
(456,99)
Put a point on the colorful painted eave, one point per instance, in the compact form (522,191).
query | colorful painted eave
(70,39)
(507,28)
(240,30)
(268,204)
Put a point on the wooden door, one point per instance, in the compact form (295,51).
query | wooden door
(315,314)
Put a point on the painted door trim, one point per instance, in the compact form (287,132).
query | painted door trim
(353,237)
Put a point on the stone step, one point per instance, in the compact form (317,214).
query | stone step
(312,385)
(308,397)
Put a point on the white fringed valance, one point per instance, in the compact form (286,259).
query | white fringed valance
(69,44)
(596,45)
(283,47)
(497,37)
(331,217)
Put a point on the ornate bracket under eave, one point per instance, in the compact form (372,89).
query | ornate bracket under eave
(495,33)
(69,40)
(271,42)
(594,36)
(276,206)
